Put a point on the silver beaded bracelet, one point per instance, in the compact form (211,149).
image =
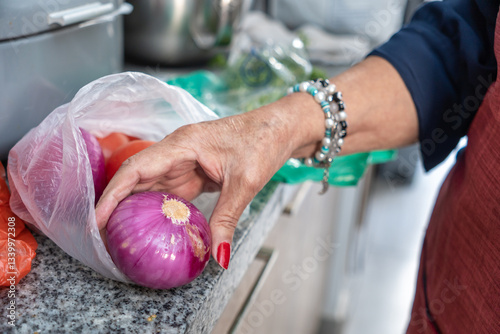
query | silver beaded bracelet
(330,100)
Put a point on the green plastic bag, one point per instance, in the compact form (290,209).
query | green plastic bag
(345,170)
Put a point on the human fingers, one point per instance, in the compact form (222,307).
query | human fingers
(188,186)
(119,187)
(145,166)
(236,194)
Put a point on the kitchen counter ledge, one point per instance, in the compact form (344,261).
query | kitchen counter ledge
(61,295)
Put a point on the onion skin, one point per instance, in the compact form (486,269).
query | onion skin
(153,248)
(97,163)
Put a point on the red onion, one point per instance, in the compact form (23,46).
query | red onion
(158,240)
(96,158)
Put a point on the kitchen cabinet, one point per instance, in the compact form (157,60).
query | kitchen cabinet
(315,244)
(291,296)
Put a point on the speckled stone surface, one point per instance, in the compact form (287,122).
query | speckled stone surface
(61,295)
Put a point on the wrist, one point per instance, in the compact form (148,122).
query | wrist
(325,94)
(308,125)
(304,123)
(328,102)
(297,123)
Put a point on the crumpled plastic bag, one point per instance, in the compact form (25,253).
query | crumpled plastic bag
(265,59)
(49,171)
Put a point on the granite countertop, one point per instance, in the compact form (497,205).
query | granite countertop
(61,295)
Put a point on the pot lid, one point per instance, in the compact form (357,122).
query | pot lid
(25,18)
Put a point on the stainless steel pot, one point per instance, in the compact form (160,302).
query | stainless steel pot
(181,32)
(48,51)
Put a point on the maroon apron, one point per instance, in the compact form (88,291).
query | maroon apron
(458,287)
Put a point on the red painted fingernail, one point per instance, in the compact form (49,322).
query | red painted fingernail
(223,254)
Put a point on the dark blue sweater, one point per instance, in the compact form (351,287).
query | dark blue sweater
(445,57)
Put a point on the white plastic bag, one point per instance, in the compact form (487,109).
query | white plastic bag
(49,171)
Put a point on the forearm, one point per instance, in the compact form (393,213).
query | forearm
(380,111)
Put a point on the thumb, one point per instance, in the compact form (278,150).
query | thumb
(231,204)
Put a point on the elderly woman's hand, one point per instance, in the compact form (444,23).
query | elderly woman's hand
(236,155)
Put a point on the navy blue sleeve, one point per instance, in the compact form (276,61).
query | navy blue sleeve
(446,59)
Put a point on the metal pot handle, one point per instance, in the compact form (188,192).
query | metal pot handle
(79,14)
(213,22)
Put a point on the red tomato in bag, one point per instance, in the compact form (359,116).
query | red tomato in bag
(111,143)
(123,153)
(132,138)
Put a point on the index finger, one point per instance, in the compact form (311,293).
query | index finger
(123,183)
(119,187)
